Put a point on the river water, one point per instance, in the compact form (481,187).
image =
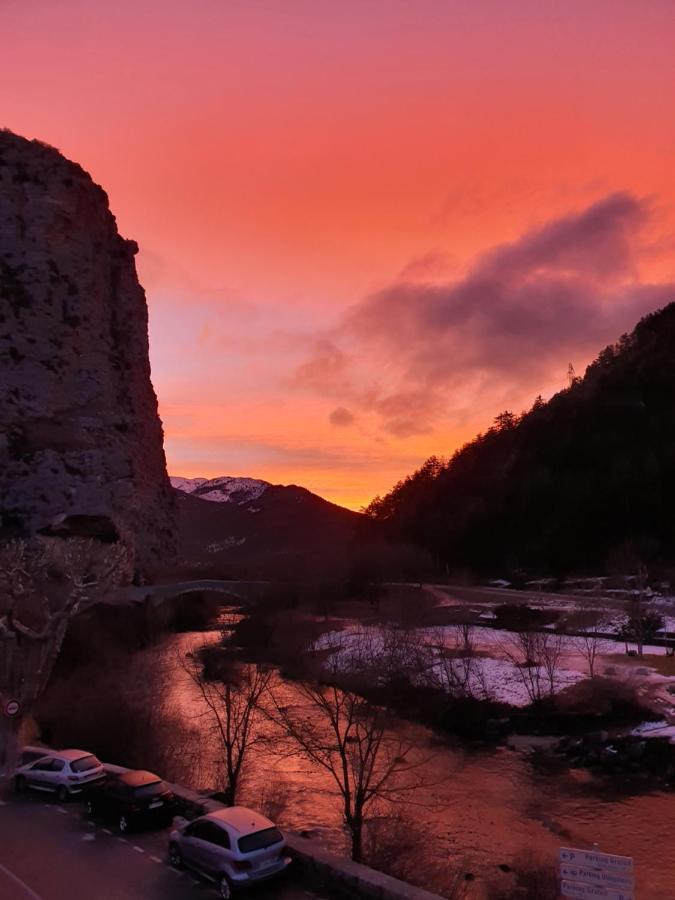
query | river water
(480,809)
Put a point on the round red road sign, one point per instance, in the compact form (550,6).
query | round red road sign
(12,708)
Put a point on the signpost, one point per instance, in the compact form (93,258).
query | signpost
(590,892)
(590,875)
(11,708)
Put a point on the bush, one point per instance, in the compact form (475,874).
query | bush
(530,878)
(520,617)
(401,844)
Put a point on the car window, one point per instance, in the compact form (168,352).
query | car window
(84,764)
(42,765)
(217,835)
(56,765)
(119,789)
(197,830)
(260,839)
(29,756)
(150,790)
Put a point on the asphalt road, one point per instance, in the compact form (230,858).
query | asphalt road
(52,851)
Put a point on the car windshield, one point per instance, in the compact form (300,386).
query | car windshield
(260,839)
(150,790)
(84,764)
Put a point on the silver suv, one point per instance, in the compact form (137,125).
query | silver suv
(62,772)
(232,847)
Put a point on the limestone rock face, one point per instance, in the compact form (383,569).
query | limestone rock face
(81,443)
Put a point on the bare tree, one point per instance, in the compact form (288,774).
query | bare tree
(42,586)
(349,738)
(535,656)
(233,697)
(452,664)
(640,622)
(592,641)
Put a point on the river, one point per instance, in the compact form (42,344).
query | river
(480,809)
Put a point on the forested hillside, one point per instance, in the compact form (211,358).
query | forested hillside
(564,486)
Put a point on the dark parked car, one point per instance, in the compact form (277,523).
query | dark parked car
(132,799)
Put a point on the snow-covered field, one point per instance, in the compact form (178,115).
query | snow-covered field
(494,676)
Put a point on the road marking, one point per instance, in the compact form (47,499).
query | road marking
(3,803)
(138,849)
(123,840)
(107,830)
(31,893)
(89,836)
(62,810)
(155,859)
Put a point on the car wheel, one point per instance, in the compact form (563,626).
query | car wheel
(225,888)
(20,784)
(175,857)
(123,824)
(62,794)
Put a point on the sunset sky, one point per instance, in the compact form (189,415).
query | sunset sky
(366,226)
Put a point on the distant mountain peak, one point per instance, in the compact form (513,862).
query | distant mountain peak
(224,489)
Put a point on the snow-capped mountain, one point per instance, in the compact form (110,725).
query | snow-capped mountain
(252,527)
(240,491)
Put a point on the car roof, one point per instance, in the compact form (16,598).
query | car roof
(240,819)
(138,778)
(70,755)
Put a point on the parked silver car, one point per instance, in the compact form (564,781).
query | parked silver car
(62,772)
(233,847)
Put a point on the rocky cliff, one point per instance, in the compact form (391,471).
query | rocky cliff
(81,447)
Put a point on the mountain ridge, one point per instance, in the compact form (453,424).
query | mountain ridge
(570,485)
(247,525)
(223,488)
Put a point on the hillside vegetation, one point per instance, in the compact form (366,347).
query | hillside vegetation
(564,486)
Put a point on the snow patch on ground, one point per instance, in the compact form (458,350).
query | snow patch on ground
(660,729)
(227,544)
(494,677)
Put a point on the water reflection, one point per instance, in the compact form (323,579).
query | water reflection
(483,808)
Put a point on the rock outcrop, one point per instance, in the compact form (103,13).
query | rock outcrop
(81,444)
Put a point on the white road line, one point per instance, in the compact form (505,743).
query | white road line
(89,836)
(155,859)
(107,830)
(62,810)
(138,849)
(22,884)
(123,840)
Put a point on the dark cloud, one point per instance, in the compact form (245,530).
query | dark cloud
(341,417)
(429,265)
(522,312)
(327,369)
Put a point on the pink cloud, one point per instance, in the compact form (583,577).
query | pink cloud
(414,351)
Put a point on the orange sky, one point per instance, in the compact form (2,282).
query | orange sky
(281,162)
